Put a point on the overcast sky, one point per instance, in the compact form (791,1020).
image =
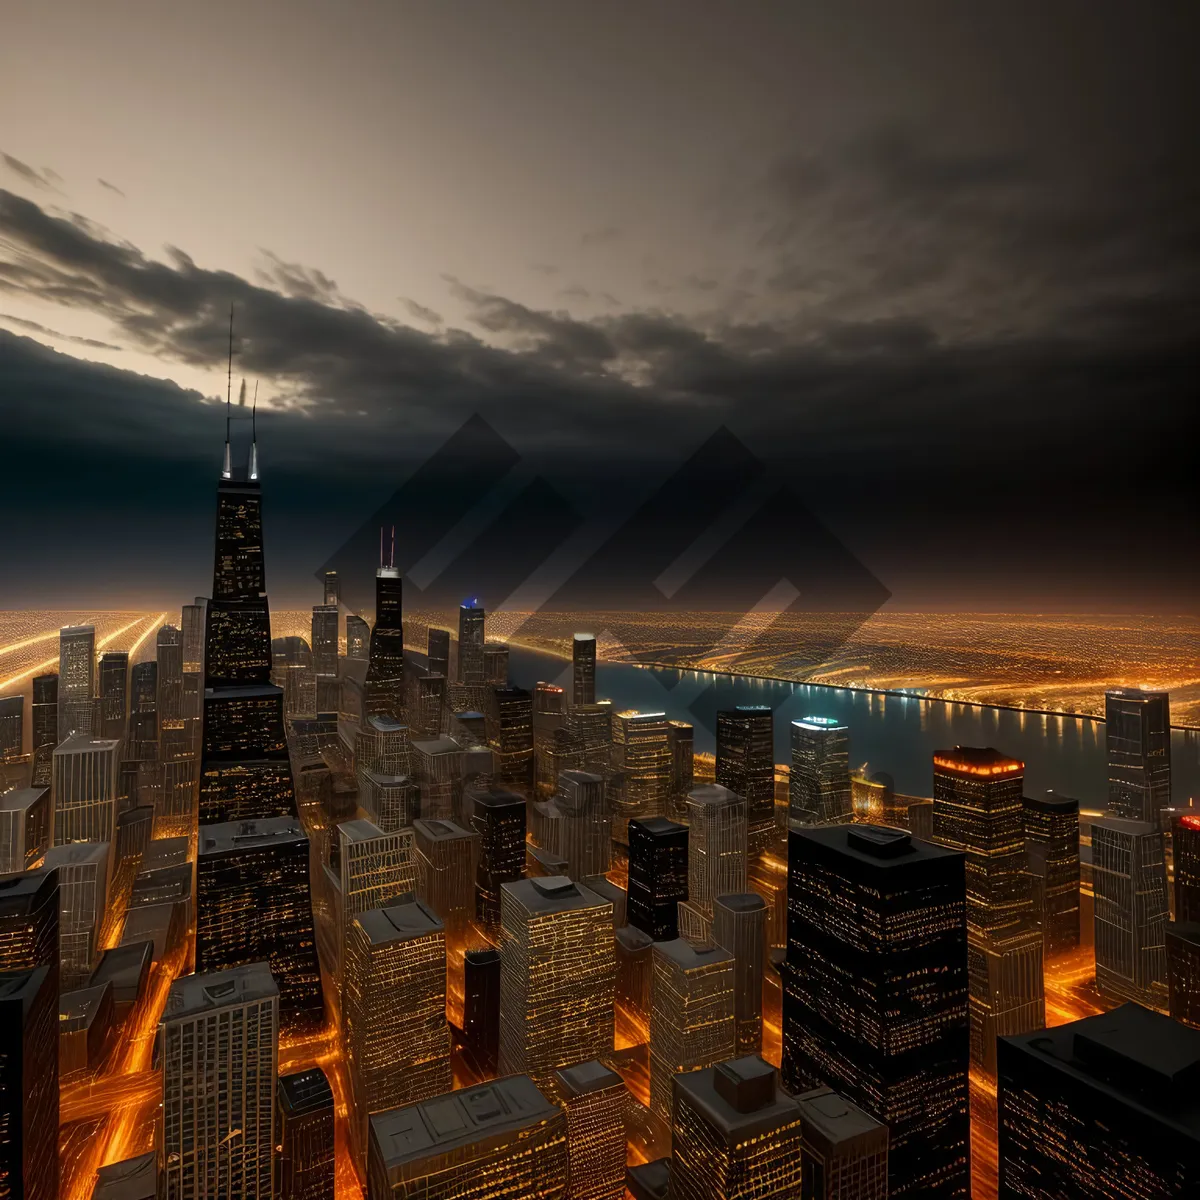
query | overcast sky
(937,263)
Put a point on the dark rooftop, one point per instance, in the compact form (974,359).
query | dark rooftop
(191,995)
(857,844)
(399,923)
(738,1097)
(249,835)
(19,798)
(588,1077)
(131,1179)
(649,1181)
(659,825)
(834,1119)
(305,1092)
(22,985)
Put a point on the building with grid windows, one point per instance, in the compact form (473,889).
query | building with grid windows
(717,845)
(819,784)
(641,753)
(658,876)
(304,1135)
(595,1100)
(24,827)
(746,766)
(76,680)
(583,669)
(446,857)
(83,878)
(739,926)
(498,818)
(1052,850)
(85,789)
(1137,735)
(845,1151)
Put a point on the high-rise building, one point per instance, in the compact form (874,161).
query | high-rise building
(358,638)
(438,646)
(446,860)
(169,656)
(1129,881)
(1101,1109)
(845,1151)
(495,664)
(498,817)
(511,738)
(29,922)
(292,671)
(29,1084)
(114,694)
(24,827)
(394,1011)
(481,1007)
(1183,971)
(76,679)
(498,1139)
(583,669)
(218,1046)
(579,826)
(681,737)
(735,1133)
(691,1014)
(739,927)
(595,1100)
(45,711)
(1185,849)
(12,728)
(384,689)
(333,590)
(870,903)
(819,784)
(253,905)
(191,621)
(716,845)
(304,1135)
(978,809)
(325,654)
(641,752)
(558,976)
(83,875)
(658,876)
(746,765)
(1052,851)
(85,789)
(471,619)
(1137,733)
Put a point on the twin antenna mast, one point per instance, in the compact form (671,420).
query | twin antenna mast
(391,563)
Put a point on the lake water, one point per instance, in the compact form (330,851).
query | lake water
(894,734)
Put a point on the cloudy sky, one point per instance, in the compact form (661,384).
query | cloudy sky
(937,264)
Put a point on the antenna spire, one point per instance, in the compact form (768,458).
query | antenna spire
(227,467)
(254,434)
(392,564)
(381,547)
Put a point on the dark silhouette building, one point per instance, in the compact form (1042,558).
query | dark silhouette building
(1103,1108)
(511,738)
(583,669)
(746,765)
(1137,735)
(29,905)
(304,1135)
(819,790)
(44,711)
(1052,852)
(114,693)
(845,1151)
(439,652)
(384,687)
(358,638)
(875,1002)
(471,620)
(1183,971)
(1185,847)
(658,876)
(481,1007)
(498,817)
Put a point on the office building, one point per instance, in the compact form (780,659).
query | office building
(978,809)
(498,818)
(191,622)
(583,669)
(45,711)
(1137,735)
(126,970)
(394,1012)
(844,1151)
(304,1135)
(83,874)
(85,1025)
(739,927)
(438,647)
(12,728)
(253,905)
(113,686)
(870,903)
(437,772)
(324,643)
(717,838)
(470,644)
(595,1100)
(1052,852)
(481,1007)
(502,1138)
(510,735)
(292,671)
(29,1165)
(691,1014)
(495,664)
(1183,971)
(658,876)
(819,784)
(1103,1108)
(24,828)
(29,922)
(681,738)
(169,657)
(746,766)
(358,638)
(446,861)
(641,753)
(76,679)
(580,829)
(735,1134)
(1185,849)
(1129,881)
(333,590)
(85,789)
(558,976)
(218,1052)
(590,728)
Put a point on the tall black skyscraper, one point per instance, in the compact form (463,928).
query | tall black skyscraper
(45,710)
(384,690)
(499,819)
(304,1124)
(658,876)
(29,922)
(1137,732)
(439,652)
(583,669)
(114,693)
(876,989)
(481,1007)
(1052,849)
(333,590)
(12,727)
(244,769)
(1185,843)
(29,1084)
(470,643)
(746,765)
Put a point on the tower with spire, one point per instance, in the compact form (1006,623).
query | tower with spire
(384,690)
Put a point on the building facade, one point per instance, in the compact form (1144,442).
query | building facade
(1137,735)
(819,783)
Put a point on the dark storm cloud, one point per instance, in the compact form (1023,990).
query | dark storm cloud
(421,312)
(112,187)
(45,331)
(299,281)
(44,179)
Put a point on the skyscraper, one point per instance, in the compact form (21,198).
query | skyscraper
(590,728)
(358,637)
(192,624)
(845,1151)
(45,711)
(641,752)
(29,1084)
(304,1135)
(681,737)
(333,591)
(691,1014)
(76,679)
(218,1049)
(580,831)
(438,645)
(583,669)
(1185,847)
(739,927)
(1183,971)
(1101,1109)
(978,809)
(325,654)
(819,786)
(29,922)
(498,817)
(253,905)
(481,1007)
(12,727)
(85,789)
(716,845)
(24,827)
(746,765)
(114,694)
(502,1139)
(1137,733)
(394,1011)
(1052,849)
(470,643)
(658,876)
(293,672)
(1129,879)
(735,1134)
(83,874)
(595,1100)
(558,976)
(446,858)
(875,1000)
(169,656)
(511,738)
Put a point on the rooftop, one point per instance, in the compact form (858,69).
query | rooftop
(124,966)
(713,793)
(1050,801)
(244,835)
(659,825)
(1121,826)
(878,846)
(497,798)
(22,798)
(132,1179)
(835,1119)
(649,1180)
(305,1092)
(191,995)
(76,854)
(690,955)
(738,1098)
(819,724)
(741,902)
(22,986)
(84,743)
(244,691)
(78,1009)
(438,745)
(359,830)
(399,923)
(588,1077)
(441,831)
(981,761)
(552,893)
